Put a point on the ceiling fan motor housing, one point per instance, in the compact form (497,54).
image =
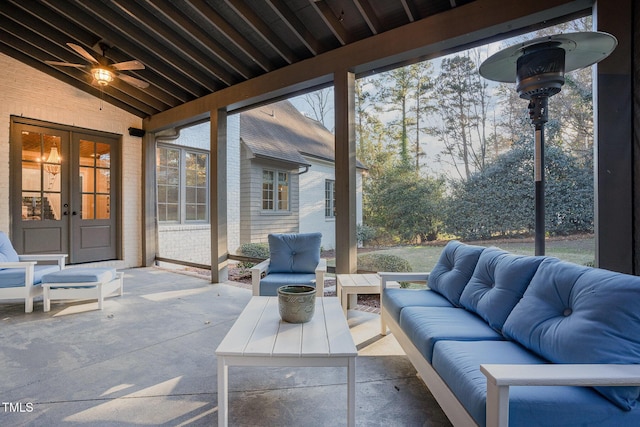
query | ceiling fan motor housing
(540,70)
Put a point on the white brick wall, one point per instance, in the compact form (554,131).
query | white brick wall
(30,93)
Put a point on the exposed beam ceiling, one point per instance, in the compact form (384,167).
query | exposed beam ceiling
(191,48)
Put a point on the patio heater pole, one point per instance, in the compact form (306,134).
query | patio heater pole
(537,67)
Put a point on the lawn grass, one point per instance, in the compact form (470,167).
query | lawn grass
(577,250)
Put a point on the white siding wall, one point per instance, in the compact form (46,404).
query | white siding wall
(30,93)
(312,217)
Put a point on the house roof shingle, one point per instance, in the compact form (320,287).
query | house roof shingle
(279,131)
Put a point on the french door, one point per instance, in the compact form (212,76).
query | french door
(63,200)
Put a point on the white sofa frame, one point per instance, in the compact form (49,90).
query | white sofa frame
(29,291)
(500,377)
(263,267)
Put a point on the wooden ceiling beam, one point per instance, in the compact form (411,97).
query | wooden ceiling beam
(332,22)
(369,15)
(234,36)
(296,26)
(192,31)
(262,29)
(408,9)
(200,66)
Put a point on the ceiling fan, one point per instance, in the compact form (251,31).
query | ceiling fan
(104,73)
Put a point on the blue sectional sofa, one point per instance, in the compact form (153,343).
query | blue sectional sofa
(532,341)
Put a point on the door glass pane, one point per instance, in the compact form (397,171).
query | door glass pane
(31,146)
(102,206)
(31,178)
(51,208)
(88,206)
(103,155)
(103,184)
(31,206)
(86,180)
(87,153)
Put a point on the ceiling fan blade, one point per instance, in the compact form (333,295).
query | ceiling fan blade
(133,81)
(65,64)
(82,52)
(128,65)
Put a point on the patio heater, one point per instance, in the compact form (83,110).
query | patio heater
(537,68)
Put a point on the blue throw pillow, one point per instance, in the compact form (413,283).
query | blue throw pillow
(7,253)
(294,252)
(577,314)
(497,284)
(454,269)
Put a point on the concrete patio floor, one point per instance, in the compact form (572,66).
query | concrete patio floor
(149,358)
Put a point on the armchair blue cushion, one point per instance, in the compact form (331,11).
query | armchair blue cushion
(294,260)
(294,253)
(7,253)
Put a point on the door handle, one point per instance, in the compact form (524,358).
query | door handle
(74,213)
(66,212)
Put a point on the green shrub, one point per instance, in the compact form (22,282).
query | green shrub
(384,262)
(253,250)
(365,233)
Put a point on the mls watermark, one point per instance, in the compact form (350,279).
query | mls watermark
(17,407)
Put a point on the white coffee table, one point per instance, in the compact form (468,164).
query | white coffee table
(260,338)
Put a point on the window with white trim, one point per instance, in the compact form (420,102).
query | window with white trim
(183,191)
(275,190)
(329,198)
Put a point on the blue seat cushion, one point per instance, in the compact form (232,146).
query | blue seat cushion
(14,277)
(7,253)
(425,326)
(394,300)
(270,283)
(458,364)
(294,252)
(453,270)
(577,314)
(498,282)
(81,275)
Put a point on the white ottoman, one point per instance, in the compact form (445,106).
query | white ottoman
(81,283)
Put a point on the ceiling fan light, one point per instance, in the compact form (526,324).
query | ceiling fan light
(102,75)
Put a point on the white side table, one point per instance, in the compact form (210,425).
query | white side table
(348,286)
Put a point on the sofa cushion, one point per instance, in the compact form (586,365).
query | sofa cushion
(576,314)
(14,277)
(394,300)
(294,252)
(498,282)
(458,364)
(454,269)
(425,326)
(270,283)
(7,253)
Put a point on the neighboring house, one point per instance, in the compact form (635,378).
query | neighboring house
(280,175)
(287,175)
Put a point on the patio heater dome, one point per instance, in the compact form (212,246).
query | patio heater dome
(537,67)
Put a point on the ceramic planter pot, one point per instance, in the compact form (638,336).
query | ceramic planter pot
(297,303)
